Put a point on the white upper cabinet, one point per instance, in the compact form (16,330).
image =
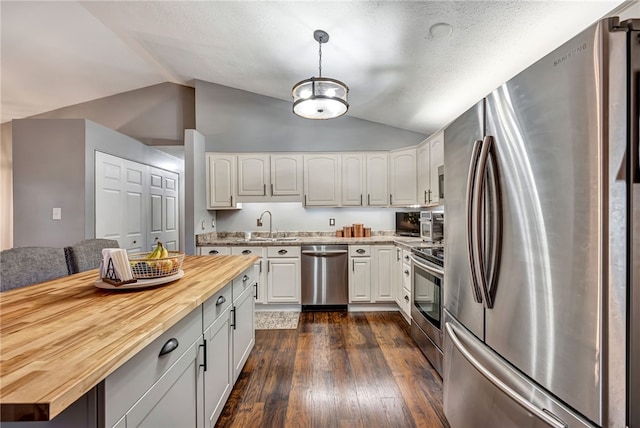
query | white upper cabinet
(436,163)
(402,177)
(430,160)
(376,179)
(286,175)
(253,175)
(221,181)
(353,179)
(423,173)
(322,180)
(269,178)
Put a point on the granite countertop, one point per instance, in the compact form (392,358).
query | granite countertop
(303,238)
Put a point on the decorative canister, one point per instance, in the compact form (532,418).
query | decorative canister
(367,232)
(348,231)
(358,230)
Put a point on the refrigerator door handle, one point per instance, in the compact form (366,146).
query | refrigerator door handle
(477,219)
(496,228)
(471,231)
(542,414)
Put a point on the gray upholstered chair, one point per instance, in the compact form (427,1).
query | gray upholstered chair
(24,266)
(87,254)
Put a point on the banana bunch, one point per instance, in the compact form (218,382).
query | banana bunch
(164,264)
(159,252)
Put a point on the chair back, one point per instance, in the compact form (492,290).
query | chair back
(24,266)
(87,254)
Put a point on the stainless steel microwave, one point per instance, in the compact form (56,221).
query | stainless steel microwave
(432,226)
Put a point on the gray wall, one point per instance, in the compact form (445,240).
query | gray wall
(197,219)
(54,166)
(238,121)
(155,115)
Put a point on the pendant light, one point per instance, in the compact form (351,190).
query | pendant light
(320,97)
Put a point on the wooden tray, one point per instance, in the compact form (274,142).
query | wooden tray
(141,283)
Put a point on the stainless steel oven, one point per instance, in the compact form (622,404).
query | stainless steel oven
(426,309)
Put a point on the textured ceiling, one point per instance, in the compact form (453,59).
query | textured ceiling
(56,54)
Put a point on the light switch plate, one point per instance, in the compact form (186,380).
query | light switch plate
(56,214)
(332,222)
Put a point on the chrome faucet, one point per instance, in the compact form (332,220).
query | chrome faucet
(259,222)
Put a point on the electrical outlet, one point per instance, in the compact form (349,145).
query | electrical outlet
(56,214)
(332,222)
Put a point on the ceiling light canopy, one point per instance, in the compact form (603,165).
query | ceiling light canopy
(320,97)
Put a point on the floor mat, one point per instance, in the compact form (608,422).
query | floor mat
(276,320)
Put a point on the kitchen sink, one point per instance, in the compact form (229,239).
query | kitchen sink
(288,239)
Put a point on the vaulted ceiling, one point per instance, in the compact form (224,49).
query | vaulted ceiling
(401,71)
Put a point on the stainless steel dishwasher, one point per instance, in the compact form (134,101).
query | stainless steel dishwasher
(325,277)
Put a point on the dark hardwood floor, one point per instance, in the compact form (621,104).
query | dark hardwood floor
(337,370)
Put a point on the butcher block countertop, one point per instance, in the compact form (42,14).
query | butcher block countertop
(60,338)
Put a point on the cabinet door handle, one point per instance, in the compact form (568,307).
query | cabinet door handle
(271,189)
(264,189)
(260,270)
(282,252)
(368,199)
(390,199)
(353,265)
(170,346)
(204,346)
(214,252)
(360,199)
(429,192)
(221,300)
(360,251)
(231,200)
(397,254)
(233,323)
(255,285)
(425,196)
(245,278)
(305,200)
(245,252)
(268,265)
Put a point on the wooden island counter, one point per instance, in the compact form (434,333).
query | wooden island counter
(61,338)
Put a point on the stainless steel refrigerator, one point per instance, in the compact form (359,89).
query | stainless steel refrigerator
(541,283)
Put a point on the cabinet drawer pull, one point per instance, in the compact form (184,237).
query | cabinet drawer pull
(214,252)
(282,252)
(406,298)
(360,251)
(204,346)
(135,242)
(406,258)
(221,300)
(170,346)
(245,278)
(233,323)
(245,252)
(406,272)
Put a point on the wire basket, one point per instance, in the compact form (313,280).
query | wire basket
(145,268)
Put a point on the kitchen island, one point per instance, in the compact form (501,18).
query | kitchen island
(61,338)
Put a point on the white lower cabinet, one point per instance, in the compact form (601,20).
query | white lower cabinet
(383,275)
(404,297)
(242,319)
(170,402)
(260,286)
(218,372)
(359,273)
(184,377)
(283,275)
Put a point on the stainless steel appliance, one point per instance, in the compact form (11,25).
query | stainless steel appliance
(441,183)
(426,309)
(325,281)
(542,286)
(408,223)
(432,226)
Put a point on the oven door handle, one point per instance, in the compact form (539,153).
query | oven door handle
(428,268)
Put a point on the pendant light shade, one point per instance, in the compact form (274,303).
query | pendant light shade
(320,97)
